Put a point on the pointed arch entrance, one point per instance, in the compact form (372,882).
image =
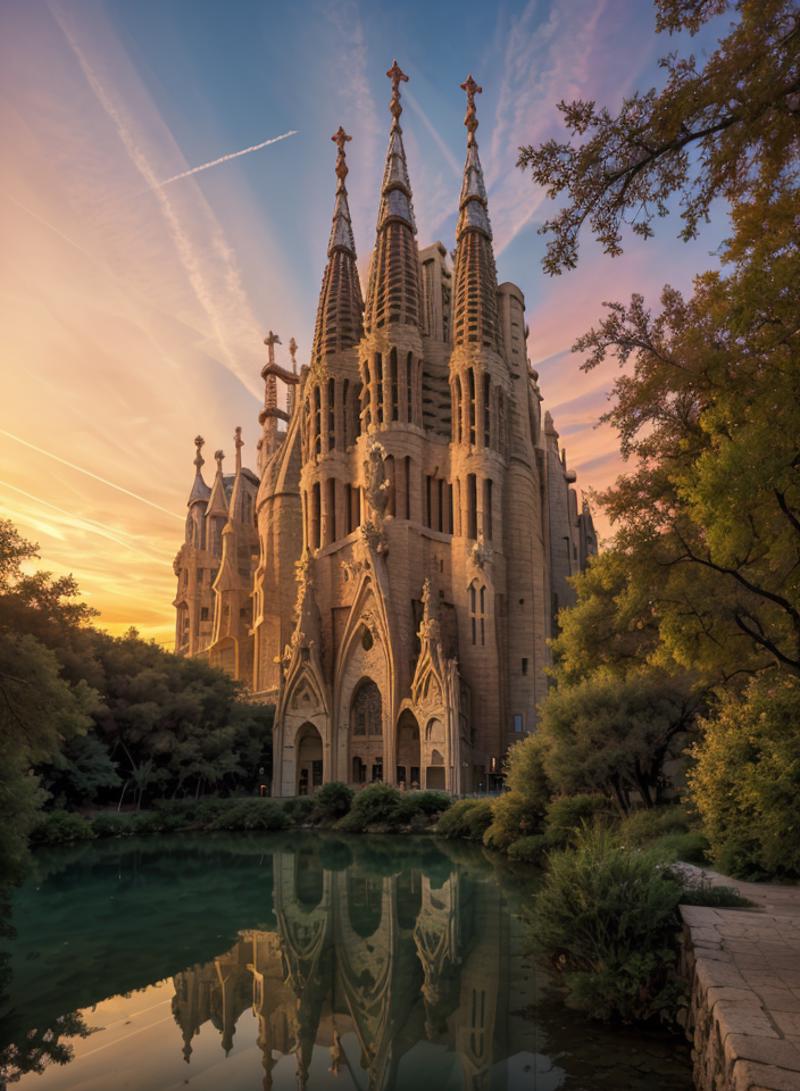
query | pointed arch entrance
(408,750)
(309,759)
(366,733)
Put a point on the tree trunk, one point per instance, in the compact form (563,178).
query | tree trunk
(122,795)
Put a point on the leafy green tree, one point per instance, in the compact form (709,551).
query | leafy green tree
(726,129)
(615,735)
(746,779)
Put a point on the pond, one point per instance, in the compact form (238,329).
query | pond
(301,961)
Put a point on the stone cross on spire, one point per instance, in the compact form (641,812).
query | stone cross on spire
(199,461)
(471,119)
(271,340)
(397,76)
(293,354)
(340,138)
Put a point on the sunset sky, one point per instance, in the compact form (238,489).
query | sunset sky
(134,312)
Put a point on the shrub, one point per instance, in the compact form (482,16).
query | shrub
(147,822)
(61,828)
(691,846)
(332,802)
(567,815)
(467,818)
(111,824)
(529,850)
(513,816)
(746,780)
(607,917)
(703,893)
(298,809)
(429,802)
(376,805)
(251,814)
(641,827)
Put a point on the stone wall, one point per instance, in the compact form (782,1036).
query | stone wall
(743,968)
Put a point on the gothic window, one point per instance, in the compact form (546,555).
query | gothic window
(346,423)
(472,506)
(331,414)
(365,713)
(477,613)
(407,484)
(409,388)
(316,517)
(457,410)
(204,613)
(391,502)
(471,380)
(428,500)
(449,508)
(487,389)
(356,411)
(317,422)
(379,388)
(440,504)
(395,394)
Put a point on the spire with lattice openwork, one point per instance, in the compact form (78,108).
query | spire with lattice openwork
(393,294)
(475,316)
(340,308)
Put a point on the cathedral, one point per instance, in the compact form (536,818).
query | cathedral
(389,576)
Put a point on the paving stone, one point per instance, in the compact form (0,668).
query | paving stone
(750,1076)
(776,999)
(739,1018)
(788,1022)
(770,1051)
(712,974)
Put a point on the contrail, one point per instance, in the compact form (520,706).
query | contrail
(89,473)
(225,158)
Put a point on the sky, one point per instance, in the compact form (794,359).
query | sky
(134,311)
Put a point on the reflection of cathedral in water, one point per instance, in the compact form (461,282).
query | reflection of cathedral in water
(395,976)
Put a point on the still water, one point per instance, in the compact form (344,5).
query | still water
(286,962)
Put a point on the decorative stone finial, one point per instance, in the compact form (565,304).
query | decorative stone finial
(199,461)
(237,437)
(219,455)
(271,340)
(471,119)
(340,138)
(293,354)
(397,76)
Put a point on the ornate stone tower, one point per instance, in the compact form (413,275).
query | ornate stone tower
(415,521)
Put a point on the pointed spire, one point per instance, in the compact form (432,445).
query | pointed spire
(236,505)
(475,311)
(200,491)
(393,294)
(291,392)
(339,312)
(218,501)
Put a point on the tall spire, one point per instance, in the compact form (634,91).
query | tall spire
(340,308)
(200,491)
(218,501)
(475,311)
(236,506)
(393,294)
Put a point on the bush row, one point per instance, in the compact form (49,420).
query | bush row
(378,806)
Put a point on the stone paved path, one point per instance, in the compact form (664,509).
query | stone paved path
(745,970)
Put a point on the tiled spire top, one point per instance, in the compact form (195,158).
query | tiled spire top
(475,317)
(200,491)
(218,501)
(473,210)
(341,228)
(394,293)
(340,308)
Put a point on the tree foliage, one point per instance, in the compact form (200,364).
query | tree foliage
(727,128)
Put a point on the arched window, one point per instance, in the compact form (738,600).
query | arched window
(471,380)
(477,612)
(379,388)
(317,422)
(472,506)
(365,711)
(457,410)
(346,422)
(488,502)
(410,387)
(395,393)
(331,414)
(487,413)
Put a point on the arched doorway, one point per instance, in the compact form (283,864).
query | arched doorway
(366,733)
(408,750)
(434,738)
(309,759)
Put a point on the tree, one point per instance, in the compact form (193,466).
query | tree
(728,129)
(615,735)
(746,779)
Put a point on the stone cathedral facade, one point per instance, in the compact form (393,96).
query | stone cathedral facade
(390,575)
